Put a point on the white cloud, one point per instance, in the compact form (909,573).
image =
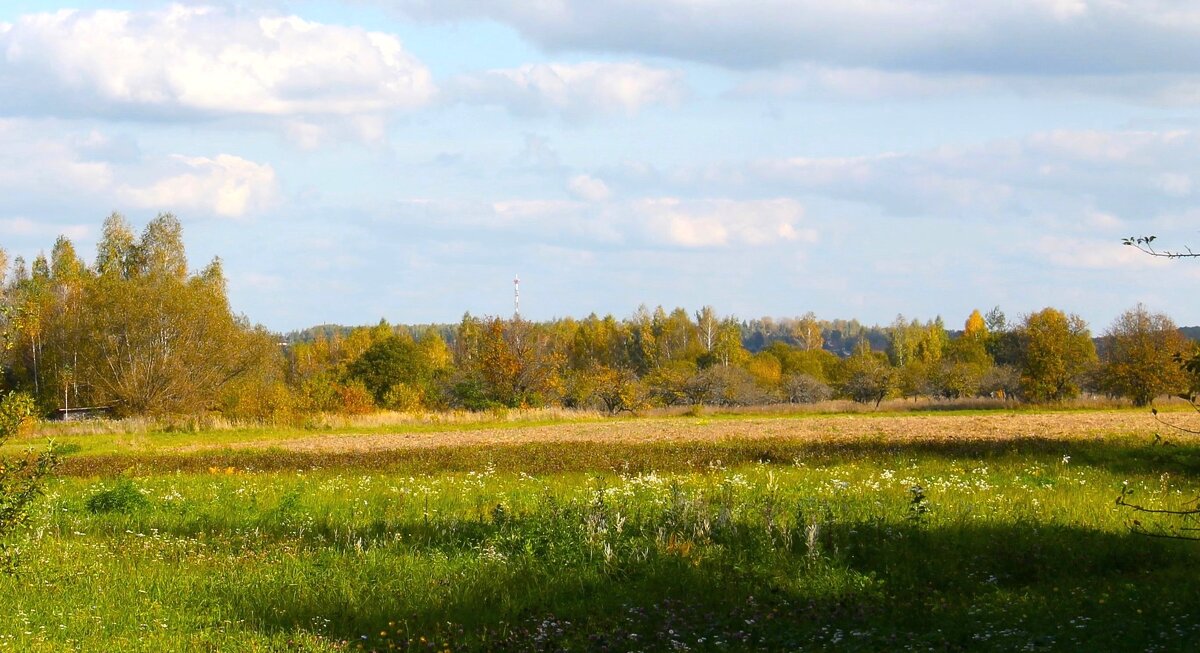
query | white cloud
(722,222)
(49,169)
(226,185)
(204,61)
(1092,254)
(808,81)
(37,161)
(572,90)
(1054,36)
(1129,175)
(658,222)
(589,188)
(1140,51)
(24,227)
(258,281)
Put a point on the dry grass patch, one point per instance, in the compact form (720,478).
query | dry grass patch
(899,429)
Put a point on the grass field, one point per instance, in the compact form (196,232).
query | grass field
(974,530)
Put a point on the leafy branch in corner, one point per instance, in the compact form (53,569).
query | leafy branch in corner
(1190,517)
(1145,244)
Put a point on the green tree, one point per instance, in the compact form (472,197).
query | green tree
(1141,350)
(398,371)
(1056,350)
(817,363)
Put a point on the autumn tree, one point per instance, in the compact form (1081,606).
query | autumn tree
(676,336)
(512,363)
(1055,351)
(708,325)
(866,376)
(976,327)
(965,361)
(727,346)
(916,350)
(643,346)
(135,332)
(806,331)
(817,363)
(766,369)
(1141,350)
(618,390)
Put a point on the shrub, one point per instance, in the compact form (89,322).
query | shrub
(405,397)
(124,497)
(20,478)
(355,399)
(805,389)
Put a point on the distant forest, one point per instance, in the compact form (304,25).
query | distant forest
(838,336)
(136,332)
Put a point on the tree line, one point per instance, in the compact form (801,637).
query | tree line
(138,332)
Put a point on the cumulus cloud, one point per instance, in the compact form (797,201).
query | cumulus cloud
(47,169)
(225,185)
(572,90)
(202,61)
(36,161)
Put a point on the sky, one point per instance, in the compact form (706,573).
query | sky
(404,159)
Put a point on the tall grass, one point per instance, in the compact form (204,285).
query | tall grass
(863,547)
(214,423)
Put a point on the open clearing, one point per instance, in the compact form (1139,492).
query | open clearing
(980,531)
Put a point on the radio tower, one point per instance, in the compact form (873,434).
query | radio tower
(516,297)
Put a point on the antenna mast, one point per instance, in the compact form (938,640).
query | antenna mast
(516,297)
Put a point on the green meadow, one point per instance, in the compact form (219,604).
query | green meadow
(859,544)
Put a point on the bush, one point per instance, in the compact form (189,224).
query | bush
(124,497)
(805,389)
(404,397)
(725,385)
(20,478)
(355,399)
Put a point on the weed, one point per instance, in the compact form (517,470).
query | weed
(123,497)
(918,505)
